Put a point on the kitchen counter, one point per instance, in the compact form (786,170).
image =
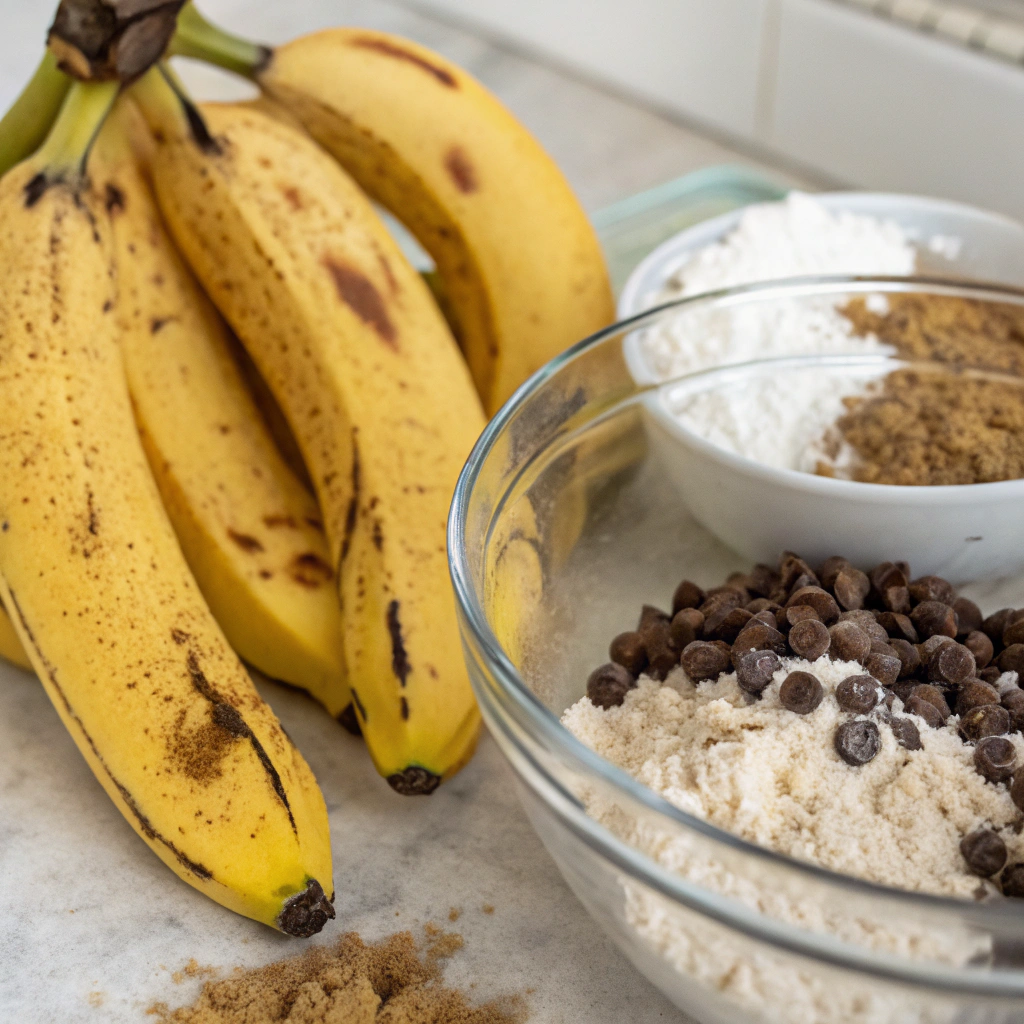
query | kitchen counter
(96,929)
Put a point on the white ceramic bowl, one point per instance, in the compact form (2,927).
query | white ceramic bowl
(991,246)
(962,533)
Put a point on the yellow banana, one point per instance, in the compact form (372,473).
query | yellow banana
(517,257)
(10,646)
(99,592)
(250,532)
(373,385)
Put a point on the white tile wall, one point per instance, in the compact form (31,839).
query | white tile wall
(889,108)
(703,56)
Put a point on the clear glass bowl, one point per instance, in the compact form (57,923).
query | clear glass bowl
(565,522)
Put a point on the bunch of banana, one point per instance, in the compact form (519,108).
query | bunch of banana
(99,593)
(155,522)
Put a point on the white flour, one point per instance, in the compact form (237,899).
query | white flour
(775,422)
(773,778)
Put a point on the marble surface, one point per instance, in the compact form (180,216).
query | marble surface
(95,927)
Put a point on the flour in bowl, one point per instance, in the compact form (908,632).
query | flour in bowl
(774,422)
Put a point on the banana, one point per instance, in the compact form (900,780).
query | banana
(98,590)
(518,260)
(250,532)
(374,388)
(10,646)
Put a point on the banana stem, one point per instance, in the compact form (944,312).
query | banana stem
(66,149)
(25,126)
(196,37)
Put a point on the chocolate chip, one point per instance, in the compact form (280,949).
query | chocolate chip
(851,588)
(968,615)
(951,664)
(910,659)
(933,618)
(755,669)
(702,660)
(849,642)
(763,579)
(934,696)
(831,568)
(687,595)
(820,600)
(800,693)
(791,568)
(735,591)
(758,636)
(1017,789)
(887,575)
(762,604)
(931,645)
(1013,701)
(1014,633)
(1012,881)
(789,617)
(859,694)
(984,851)
(897,600)
(662,654)
(687,624)
(857,742)
(923,709)
(995,757)
(651,616)
(1012,660)
(987,720)
(974,694)
(906,733)
(628,650)
(867,622)
(996,623)
(989,674)
(898,626)
(932,588)
(608,685)
(981,647)
(885,667)
(726,624)
(809,639)
(767,617)
(903,690)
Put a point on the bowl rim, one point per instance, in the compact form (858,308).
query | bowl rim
(534,716)
(665,256)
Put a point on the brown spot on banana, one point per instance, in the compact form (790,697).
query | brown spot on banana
(391,49)
(359,705)
(310,570)
(245,541)
(294,199)
(353,505)
(349,720)
(157,324)
(114,199)
(399,658)
(405,709)
(273,522)
(461,170)
(229,718)
(360,294)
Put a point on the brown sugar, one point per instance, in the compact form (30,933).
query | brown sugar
(923,428)
(352,982)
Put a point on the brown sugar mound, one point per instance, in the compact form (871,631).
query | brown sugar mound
(353,982)
(926,429)
(930,428)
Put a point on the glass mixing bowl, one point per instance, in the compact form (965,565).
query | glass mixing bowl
(566,520)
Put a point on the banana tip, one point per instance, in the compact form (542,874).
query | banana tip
(414,781)
(306,912)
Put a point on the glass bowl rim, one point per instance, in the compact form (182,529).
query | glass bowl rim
(535,718)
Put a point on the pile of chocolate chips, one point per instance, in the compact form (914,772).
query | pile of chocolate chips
(916,639)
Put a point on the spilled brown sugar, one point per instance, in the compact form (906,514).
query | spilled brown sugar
(389,982)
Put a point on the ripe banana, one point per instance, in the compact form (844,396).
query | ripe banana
(250,532)
(99,592)
(518,260)
(10,646)
(373,385)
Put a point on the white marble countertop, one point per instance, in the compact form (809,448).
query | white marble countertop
(94,926)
